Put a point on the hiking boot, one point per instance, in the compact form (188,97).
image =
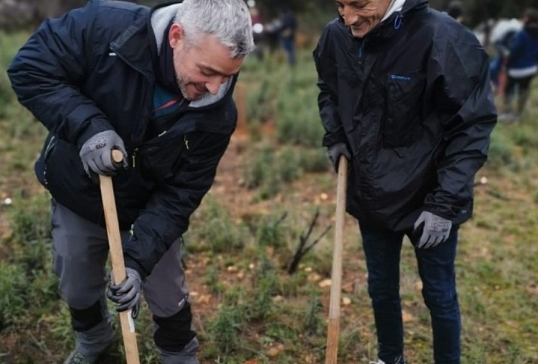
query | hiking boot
(400,360)
(91,344)
(77,358)
(185,356)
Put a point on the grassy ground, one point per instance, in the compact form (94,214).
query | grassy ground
(273,179)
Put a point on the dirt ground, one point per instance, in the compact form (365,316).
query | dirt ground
(230,192)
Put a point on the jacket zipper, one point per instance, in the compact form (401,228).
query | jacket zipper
(133,157)
(45,157)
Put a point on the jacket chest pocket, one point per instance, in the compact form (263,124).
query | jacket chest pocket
(402,122)
(161,157)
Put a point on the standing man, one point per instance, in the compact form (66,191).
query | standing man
(288,28)
(405,96)
(157,85)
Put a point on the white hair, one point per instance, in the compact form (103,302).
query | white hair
(227,20)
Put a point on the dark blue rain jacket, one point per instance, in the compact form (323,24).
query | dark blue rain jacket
(413,102)
(92,70)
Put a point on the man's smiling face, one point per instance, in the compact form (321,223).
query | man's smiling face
(203,66)
(361,16)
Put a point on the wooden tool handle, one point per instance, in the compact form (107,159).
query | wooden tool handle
(331,354)
(118,264)
(117,155)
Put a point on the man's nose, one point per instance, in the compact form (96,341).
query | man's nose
(213,85)
(349,16)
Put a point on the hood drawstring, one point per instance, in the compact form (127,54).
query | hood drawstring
(398,21)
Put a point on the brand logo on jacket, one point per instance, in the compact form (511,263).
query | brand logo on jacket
(400,78)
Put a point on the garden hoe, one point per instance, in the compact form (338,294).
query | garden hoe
(116,256)
(331,354)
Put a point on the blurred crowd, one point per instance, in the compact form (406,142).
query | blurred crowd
(274,33)
(514,56)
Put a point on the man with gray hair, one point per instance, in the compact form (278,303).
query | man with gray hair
(155,84)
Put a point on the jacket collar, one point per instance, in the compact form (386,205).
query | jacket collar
(390,26)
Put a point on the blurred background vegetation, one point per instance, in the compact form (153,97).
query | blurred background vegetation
(273,180)
(17,14)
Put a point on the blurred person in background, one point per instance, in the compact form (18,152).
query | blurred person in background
(257,31)
(501,37)
(455,11)
(405,96)
(288,28)
(521,66)
(155,84)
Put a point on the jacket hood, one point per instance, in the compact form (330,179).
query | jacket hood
(395,18)
(161,16)
(395,6)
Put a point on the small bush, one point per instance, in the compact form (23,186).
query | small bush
(218,231)
(12,302)
(226,327)
(500,149)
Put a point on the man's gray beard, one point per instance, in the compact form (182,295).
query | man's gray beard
(182,86)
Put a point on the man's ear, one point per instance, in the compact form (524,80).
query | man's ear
(176,35)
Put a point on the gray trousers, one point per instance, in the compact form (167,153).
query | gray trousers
(80,251)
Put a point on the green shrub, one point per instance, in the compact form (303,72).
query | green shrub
(6,94)
(226,327)
(217,231)
(298,121)
(500,149)
(12,285)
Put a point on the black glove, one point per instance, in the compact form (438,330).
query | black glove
(96,153)
(335,151)
(126,294)
(433,230)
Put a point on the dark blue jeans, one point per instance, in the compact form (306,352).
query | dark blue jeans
(436,269)
(289,47)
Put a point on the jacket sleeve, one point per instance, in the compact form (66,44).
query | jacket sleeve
(464,101)
(328,97)
(516,48)
(47,71)
(166,216)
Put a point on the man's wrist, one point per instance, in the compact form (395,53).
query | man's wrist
(133,264)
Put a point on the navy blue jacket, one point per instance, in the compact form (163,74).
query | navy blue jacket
(92,70)
(524,48)
(412,101)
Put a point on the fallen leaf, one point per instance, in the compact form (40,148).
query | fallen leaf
(275,350)
(325,283)
(313,277)
(407,317)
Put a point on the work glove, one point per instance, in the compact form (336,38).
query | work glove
(126,294)
(96,153)
(335,151)
(432,229)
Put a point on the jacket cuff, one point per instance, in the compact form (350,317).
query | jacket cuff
(95,126)
(330,139)
(133,264)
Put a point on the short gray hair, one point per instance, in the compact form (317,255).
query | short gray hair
(227,20)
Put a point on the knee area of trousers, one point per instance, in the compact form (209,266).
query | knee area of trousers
(384,293)
(385,304)
(440,301)
(78,300)
(174,332)
(86,319)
